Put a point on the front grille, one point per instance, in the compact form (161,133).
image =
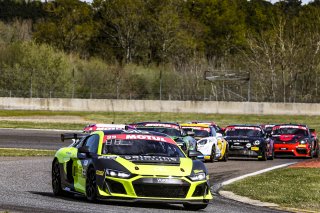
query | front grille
(200,190)
(302,151)
(163,190)
(286,154)
(115,187)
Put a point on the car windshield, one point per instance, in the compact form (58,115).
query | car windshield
(197,132)
(243,132)
(289,131)
(141,147)
(168,131)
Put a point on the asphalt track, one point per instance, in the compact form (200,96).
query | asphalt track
(25,182)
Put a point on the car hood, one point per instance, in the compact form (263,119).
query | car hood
(143,166)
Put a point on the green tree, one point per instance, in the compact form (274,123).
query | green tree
(69,26)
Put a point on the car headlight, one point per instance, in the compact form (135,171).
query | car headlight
(198,177)
(257,142)
(303,142)
(118,174)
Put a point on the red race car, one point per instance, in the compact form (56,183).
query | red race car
(294,140)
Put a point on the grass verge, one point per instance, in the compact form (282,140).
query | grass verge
(289,187)
(13,152)
(128,117)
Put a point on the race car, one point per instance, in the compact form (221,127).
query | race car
(131,165)
(95,127)
(210,143)
(174,130)
(249,141)
(294,140)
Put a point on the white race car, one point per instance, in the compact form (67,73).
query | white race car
(213,148)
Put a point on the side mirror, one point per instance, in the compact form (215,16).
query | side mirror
(195,155)
(84,149)
(190,133)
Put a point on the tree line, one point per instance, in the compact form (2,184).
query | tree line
(141,48)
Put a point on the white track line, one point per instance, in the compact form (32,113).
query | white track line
(256,173)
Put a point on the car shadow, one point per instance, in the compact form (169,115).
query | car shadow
(138,204)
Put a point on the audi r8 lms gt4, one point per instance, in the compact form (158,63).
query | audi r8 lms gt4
(249,141)
(294,140)
(131,165)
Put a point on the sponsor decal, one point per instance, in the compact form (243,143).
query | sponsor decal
(151,158)
(196,128)
(248,145)
(85,163)
(161,180)
(255,148)
(232,128)
(138,137)
(162,125)
(289,127)
(99,172)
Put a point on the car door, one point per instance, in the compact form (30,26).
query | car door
(80,165)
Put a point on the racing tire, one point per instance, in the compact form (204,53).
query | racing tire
(91,185)
(56,179)
(225,156)
(272,156)
(213,154)
(195,207)
(316,155)
(264,155)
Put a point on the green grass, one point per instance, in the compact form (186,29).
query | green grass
(128,117)
(13,152)
(289,187)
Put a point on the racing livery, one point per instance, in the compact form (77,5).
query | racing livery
(294,140)
(210,143)
(249,141)
(130,165)
(174,130)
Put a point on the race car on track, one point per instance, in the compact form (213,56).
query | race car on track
(130,165)
(174,130)
(294,140)
(249,141)
(210,143)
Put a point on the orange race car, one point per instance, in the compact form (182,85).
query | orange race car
(294,140)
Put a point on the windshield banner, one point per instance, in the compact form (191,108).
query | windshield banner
(139,137)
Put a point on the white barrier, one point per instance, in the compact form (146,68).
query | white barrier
(216,107)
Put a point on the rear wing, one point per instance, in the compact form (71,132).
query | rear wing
(73,136)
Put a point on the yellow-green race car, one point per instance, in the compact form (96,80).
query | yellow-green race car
(130,165)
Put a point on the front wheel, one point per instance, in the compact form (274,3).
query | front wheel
(264,155)
(91,185)
(56,179)
(213,154)
(226,155)
(195,207)
(272,155)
